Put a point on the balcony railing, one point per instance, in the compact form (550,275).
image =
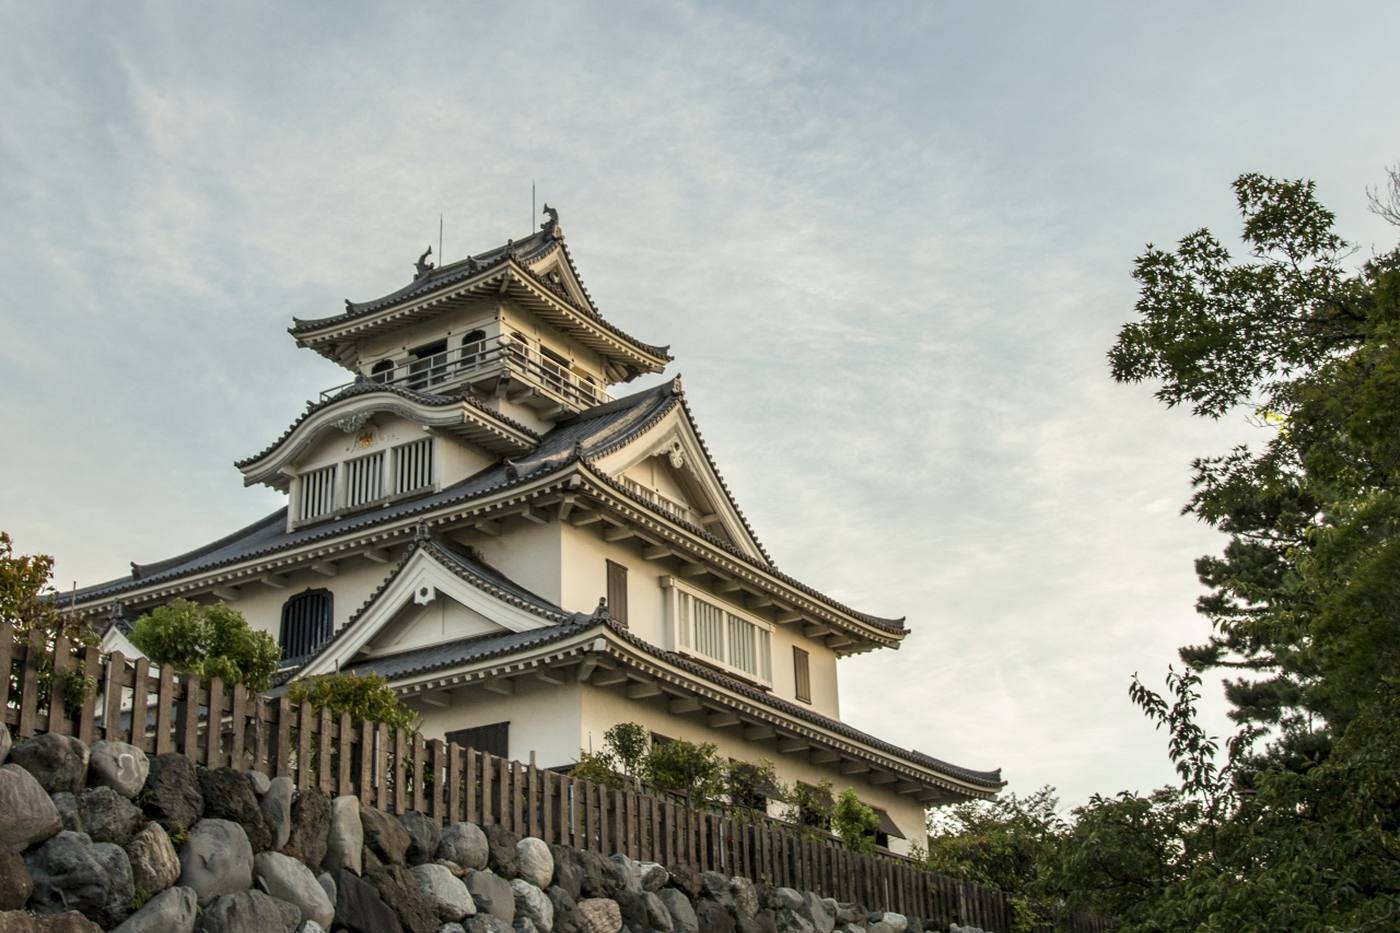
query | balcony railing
(484,358)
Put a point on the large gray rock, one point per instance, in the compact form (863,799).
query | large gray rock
(228,795)
(821,911)
(501,858)
(216,859)
(599,915)
(400,891)
(289,880)
(714,917)
(359,908)
(534,862)
(155,865)
(58,762)
(896,922)
(485,923)
(424,834)
(27,813)
(327,882)
(492,894)
(681,910)
(533,905)
(172,911)
(21,921)
(654,876)
(71,872)
(345,839)
(260,781)
(118,765)
(311,821)
(68,812)
(787,899)
(15,883)
(445,891)
(107,816)
(631,870)
(565,909)
(5,742)
(276,806)
(171,796)
(249,912)
(745,900)
(465,845)
(384,835)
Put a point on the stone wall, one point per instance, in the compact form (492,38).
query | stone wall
(107,838)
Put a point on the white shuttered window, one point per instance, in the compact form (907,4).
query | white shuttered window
(413,466)
(710,631)
(364,480)
(317,493)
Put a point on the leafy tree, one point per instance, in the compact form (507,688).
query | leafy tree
(689,770)
(29,603)
(208,641)
(854,822)
(363,696)
(1005,842)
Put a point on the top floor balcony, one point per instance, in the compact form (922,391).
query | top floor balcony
(485,363)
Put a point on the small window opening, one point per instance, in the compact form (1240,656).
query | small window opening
(382,372)
(617,593)
(306,623)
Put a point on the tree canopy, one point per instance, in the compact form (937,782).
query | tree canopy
(209,641)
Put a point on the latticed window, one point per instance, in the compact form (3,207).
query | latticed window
(317,493)
(707,630)
(307,621)
(413,466)
(364,479)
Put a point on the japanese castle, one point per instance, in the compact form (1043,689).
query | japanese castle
(529,555)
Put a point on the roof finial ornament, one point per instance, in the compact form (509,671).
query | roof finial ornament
(420,533)
(552,224)
(422,266)
(602,611)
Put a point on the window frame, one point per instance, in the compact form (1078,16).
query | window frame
(326,622)
(617,576)
(801,674)
(680,633)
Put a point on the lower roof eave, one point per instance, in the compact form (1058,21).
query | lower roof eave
(600,652)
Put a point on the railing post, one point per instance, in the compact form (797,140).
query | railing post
(58,709)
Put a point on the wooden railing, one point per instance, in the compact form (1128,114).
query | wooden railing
(397,770)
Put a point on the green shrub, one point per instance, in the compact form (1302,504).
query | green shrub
(208,641)
(854,822)
(363,696)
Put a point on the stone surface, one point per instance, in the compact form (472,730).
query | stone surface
(276,807)
(384,835)
(565,909)
(654,876)
(289,880)
(599,915)
(713,917)
(21,921)
(68,814)
(216,859)
(896,922)
(532,904)
(745,900)
(485,923)
(464,844)
(534,863)
(327,882)
(567,872)
(631,872)
(687,879)
(821,911)
(311,822)
(787,899)
(71,872)
(249,912)
(260,781)
(681,910)
(399,889)
(5,742)
(15,883)
(345,839)
(599,876)
(118,765)
(228,795)
(501,857)
(311,926)
(155,865)
(58,762)
(492,894)
(424,835)
(27,814)
(172,911)
(359,908)
(446,892)
(171,796)
(107,816)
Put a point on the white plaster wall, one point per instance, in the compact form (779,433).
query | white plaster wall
(455,460)
(585,579)
(821,661)
(414,626)
(530,555)
(381,432)
(544,719)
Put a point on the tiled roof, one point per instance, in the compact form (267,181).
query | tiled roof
(485,647)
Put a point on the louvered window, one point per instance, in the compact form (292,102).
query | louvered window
(317,493)
(364,480)
(617,592)
(494,738)
(306,623)
(802,674)
(707,630)
(413,466)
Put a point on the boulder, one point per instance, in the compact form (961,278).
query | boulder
(216,859)
(276,807)
(631,873)
(260,781)
(68,813)
(599,915)
(155,865)
(118,765)
(384,835)
(524,925)
(311,821)
(27,813)
(501,857)
(5,742)
(172,911)
(345,838)
(359,908)
(532,904)
(171,796)
(654,876)
(896,922)
(792,922)
(599,876)
(682,912)
(107,816)
(534,862)
(58,762)
(485,923)
(399,889)
(22,921)
(446,892)
(715,886)
(289,880)
(821,911)
(228,795)
(567,873)
(687,879)
(327,882)
(15,883)
(745,900)
(71,872)
(787,899)
(311,926)
(249,912)
(565,910)
(492,894)
(714,917)
(424,835)
(464,844)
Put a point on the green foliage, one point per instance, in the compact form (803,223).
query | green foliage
(810,806)
(854,822)
(29,603)
(363,696)
(689,770)
(208,641)
(1004,842)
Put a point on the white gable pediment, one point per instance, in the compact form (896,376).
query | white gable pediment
(424,603)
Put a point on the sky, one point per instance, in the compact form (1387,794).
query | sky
(888,243)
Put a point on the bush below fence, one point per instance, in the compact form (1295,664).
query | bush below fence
(213,724)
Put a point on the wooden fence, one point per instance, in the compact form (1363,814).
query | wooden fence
(396,770)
